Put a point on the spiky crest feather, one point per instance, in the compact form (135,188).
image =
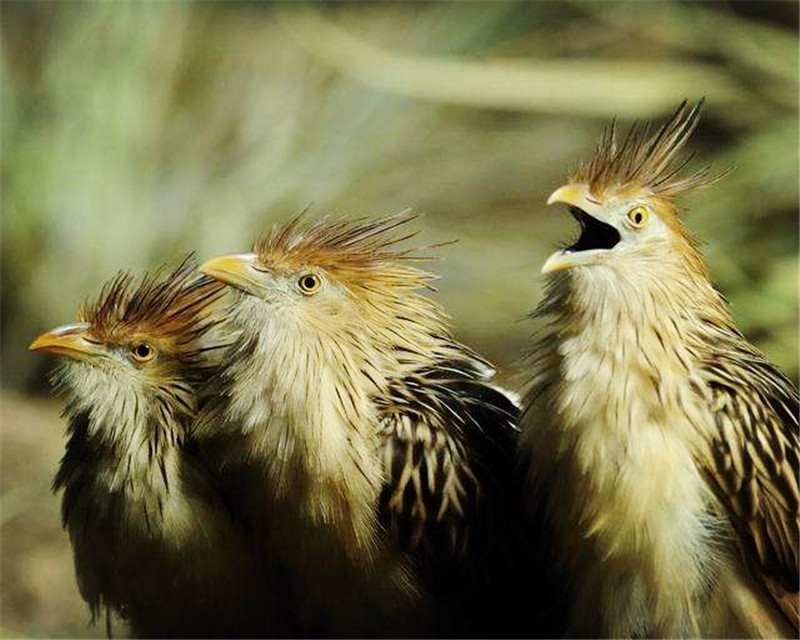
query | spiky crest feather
(346,248)
(167,304)
(647,160)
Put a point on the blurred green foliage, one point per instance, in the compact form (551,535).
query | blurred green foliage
(135,132)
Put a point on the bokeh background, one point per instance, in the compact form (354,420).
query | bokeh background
(135,132)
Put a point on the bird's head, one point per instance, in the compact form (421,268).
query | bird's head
(623,199)
(140,338)
(332,278)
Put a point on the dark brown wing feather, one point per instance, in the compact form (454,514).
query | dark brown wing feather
(452,497)
(754,466)
(446,433)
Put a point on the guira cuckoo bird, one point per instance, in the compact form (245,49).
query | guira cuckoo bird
(151,534)
(662,446)
(372,452)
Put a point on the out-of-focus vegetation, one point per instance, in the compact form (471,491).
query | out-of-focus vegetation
(135,132)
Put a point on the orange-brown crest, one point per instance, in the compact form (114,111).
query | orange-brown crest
(165,304)
(348,249)
(646,160)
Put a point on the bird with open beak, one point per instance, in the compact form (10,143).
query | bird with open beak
(662,446)
(372,452)
(152,536)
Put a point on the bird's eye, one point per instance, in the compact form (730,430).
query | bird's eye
(309,283)
(638,216)
(143,352)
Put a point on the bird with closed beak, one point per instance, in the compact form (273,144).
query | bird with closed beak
(370,449)
(152,537)
(662,447)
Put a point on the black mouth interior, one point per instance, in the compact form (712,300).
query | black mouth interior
(594,233)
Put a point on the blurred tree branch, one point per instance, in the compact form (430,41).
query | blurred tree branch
(594,88)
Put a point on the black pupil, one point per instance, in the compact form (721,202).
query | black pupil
(309,282)
(638,217)
(143,350)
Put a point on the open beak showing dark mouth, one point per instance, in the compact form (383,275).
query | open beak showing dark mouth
(594,233)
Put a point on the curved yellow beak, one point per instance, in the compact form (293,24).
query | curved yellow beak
(578,195)
(72,340)
(236,270)
(568,194)
(575,195)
